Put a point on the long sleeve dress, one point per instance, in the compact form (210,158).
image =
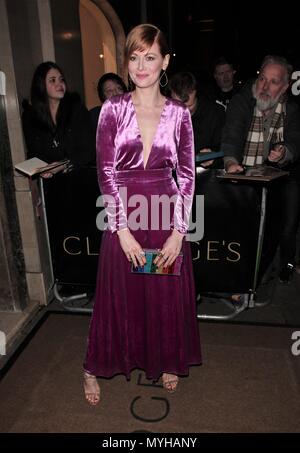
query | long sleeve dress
(141,320)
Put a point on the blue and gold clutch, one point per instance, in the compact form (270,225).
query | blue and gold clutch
(151,268)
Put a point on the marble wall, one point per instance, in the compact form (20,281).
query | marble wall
(13,288)
(25,264)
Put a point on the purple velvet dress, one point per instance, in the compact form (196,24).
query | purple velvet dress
(141,320)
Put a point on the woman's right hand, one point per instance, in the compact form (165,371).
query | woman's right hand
(131,248)
(65,168)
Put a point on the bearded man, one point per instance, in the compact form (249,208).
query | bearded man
(263,127)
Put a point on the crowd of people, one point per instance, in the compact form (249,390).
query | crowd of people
(140,137)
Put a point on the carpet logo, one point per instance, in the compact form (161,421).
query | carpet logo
(162,405)
(2,343)
(295,348)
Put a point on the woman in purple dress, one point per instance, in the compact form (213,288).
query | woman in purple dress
(141,320)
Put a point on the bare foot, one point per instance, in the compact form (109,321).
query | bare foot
(170,382)
(91,388)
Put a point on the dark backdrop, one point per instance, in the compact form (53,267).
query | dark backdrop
(198,32)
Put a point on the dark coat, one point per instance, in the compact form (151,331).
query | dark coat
(238,121)
(222,98)
(71,138)
(94,115)
(208,121)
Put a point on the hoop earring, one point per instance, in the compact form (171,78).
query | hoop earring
(164,74)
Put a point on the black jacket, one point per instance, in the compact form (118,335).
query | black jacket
(216,95)
(71,138)
(94,116)
(208,121)
(238,122)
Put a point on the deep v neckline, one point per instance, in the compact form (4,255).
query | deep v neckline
(155,133)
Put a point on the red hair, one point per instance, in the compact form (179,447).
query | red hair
(143,37)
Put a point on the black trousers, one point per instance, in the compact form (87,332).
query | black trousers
(283,214)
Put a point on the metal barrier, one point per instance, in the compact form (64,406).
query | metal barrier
(226,261)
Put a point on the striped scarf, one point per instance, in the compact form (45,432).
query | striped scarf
(254,146)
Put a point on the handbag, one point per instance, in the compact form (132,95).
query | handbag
(151,268)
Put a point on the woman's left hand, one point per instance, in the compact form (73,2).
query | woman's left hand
(170,250)
(47,175)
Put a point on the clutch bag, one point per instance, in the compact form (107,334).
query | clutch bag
(151,268)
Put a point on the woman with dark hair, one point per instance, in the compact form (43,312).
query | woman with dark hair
(145,319)
(109,85)
(56,125)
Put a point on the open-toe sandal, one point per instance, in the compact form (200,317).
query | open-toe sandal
(170,382)
(91,388)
